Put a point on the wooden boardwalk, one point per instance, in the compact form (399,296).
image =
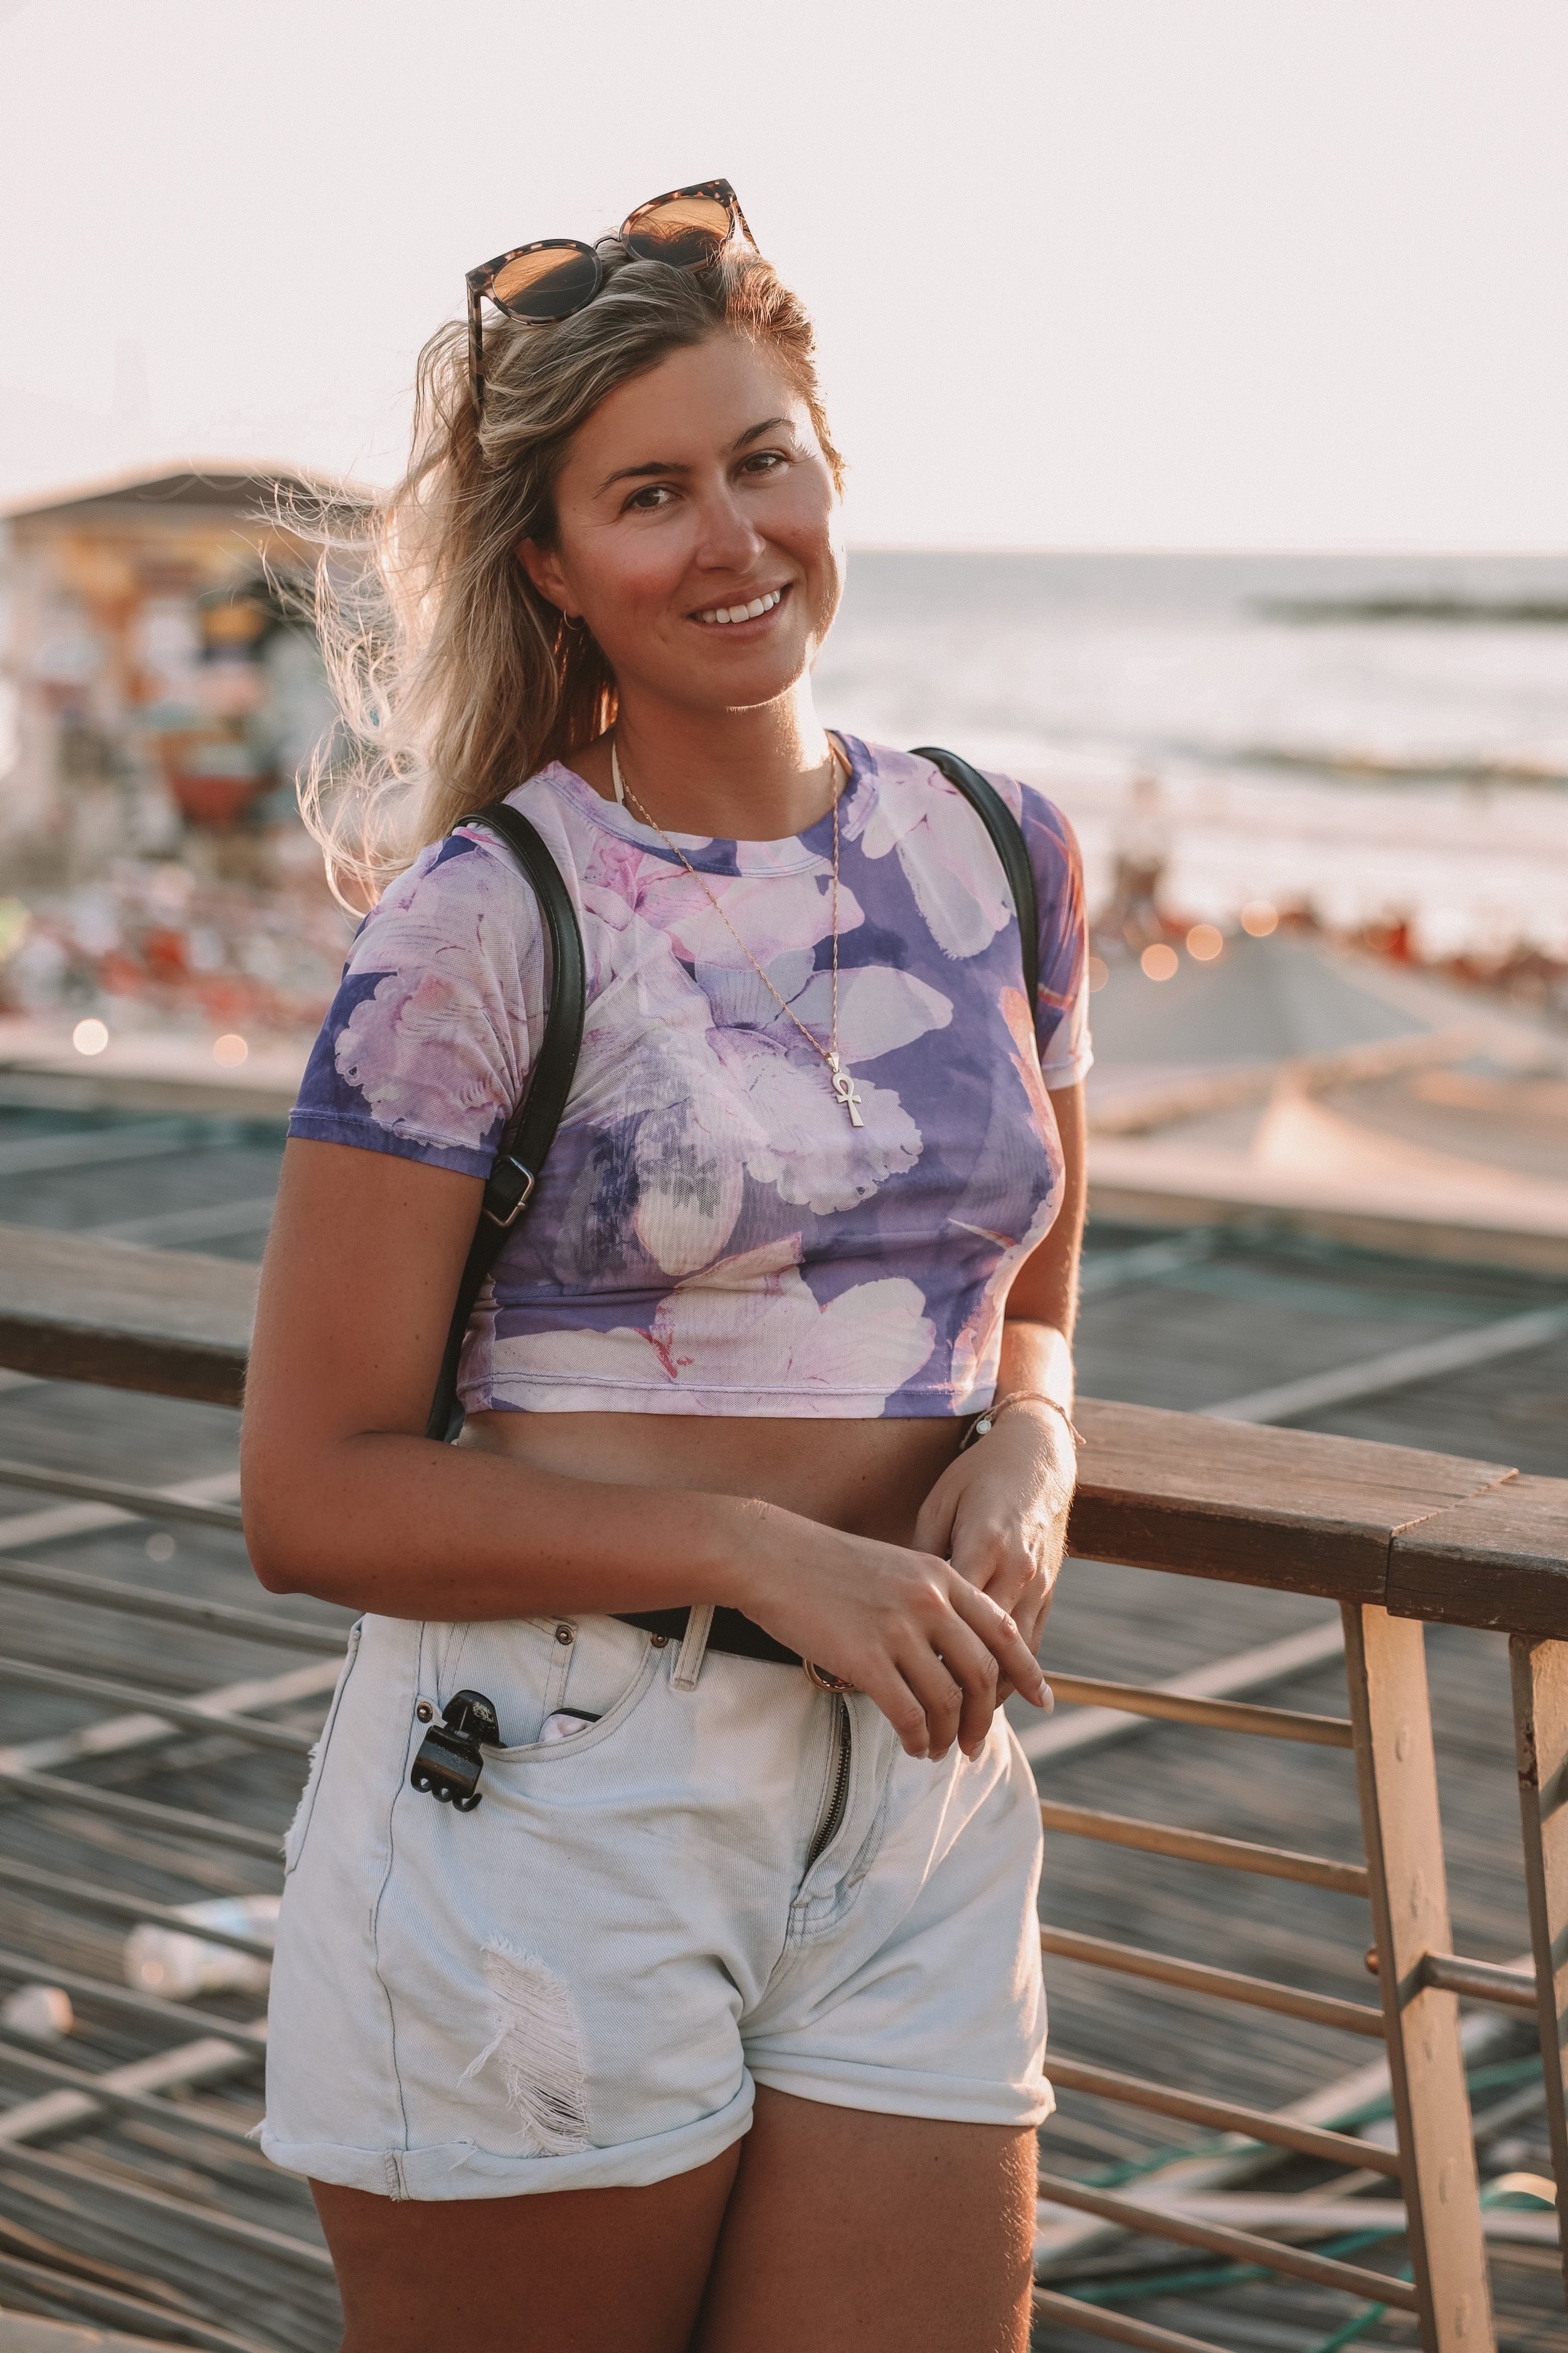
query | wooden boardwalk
(174,2231)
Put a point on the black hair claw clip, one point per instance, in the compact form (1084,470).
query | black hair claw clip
(448,1764)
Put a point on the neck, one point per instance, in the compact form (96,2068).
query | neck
(747,776)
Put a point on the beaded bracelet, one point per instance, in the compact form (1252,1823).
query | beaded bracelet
(982,1424)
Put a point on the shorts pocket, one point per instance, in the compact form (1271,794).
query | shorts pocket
(605,1671)
(294,1836)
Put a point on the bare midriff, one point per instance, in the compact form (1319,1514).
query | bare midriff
(868,1478)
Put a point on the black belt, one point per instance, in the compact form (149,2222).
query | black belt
(729,1631)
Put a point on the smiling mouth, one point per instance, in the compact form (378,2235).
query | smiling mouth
(720,616)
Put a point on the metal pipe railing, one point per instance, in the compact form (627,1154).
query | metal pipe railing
(155,1702)
(1202,1846)
(1241,2246)
(1217,1715)
(173,1609)
(209,2219)
(1223,2115)
(22,1969)
(1204,1976)
(141,1503)
(176,1822)
(136,1909)
(1120,2328)
(98,2090)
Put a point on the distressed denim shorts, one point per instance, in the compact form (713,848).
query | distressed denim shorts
(730,1878)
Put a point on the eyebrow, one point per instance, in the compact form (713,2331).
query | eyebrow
(654,466)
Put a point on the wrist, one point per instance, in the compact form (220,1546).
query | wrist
(743,1533)
(1047,1414)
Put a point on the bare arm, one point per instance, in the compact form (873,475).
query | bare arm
(344,1495)
(346,1498)
(1000,1511)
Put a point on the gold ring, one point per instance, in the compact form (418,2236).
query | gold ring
(823,1679)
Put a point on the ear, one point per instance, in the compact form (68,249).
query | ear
(544,571)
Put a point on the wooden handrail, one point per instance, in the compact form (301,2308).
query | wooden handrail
(1425,1534)
(168,1322)
(1498,1559)
(1256,1504)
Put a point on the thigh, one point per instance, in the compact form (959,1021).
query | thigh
(572,2270)
(883,2234)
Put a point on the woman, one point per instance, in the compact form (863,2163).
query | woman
(718,2021)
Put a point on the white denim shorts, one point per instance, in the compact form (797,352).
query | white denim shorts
(725,1881)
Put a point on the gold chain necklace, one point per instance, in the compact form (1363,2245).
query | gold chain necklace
(843,1087)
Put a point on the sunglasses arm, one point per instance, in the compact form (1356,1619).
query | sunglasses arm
(476,351)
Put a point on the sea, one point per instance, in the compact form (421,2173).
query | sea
(1375,739)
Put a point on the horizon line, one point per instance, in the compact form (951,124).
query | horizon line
(1363,553)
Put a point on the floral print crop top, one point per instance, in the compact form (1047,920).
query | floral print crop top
(711,1234)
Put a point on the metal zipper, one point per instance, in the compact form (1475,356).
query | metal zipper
(832,1821)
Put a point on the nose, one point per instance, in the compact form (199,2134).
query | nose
(727,540)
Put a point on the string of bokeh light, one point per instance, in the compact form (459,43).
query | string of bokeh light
(1205,942)
(90,1036)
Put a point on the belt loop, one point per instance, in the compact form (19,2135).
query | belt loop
(693,1647)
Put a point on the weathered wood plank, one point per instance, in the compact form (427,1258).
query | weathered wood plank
(1397,1772)
(170,1321)
(1540,1678)
(1498,1558)
(1258,1506)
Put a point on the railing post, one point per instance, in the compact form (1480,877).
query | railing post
(1541,1736)
(1386,1664)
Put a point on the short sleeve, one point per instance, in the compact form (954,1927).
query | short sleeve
(424,1050)
(1061,1006)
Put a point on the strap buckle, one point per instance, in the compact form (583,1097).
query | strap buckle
(505,1217)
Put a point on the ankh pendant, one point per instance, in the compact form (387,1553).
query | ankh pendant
(844,1088)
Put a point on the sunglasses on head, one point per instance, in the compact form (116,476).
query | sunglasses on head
(555,276)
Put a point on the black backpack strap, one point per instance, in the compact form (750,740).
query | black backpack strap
(529,1131)
(1007,840)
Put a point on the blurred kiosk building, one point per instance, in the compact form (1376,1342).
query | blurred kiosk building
(162,686)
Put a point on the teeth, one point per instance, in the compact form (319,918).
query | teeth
(722,615)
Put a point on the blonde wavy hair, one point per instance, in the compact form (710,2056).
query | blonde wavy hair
(453,677)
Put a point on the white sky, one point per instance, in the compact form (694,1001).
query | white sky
(1088,273)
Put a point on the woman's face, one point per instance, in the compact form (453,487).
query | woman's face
(689,494)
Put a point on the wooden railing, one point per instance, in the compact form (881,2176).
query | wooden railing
(1395,1537)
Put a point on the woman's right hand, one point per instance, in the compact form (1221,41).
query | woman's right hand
(908,1630)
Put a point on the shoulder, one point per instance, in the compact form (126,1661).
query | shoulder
(425,1048)
(467,888)
(905,786)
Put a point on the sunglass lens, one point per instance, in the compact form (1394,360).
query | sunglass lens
(549,284)
(685,230)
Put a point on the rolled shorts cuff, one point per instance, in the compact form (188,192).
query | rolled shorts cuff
(904,2092)
(458,2169)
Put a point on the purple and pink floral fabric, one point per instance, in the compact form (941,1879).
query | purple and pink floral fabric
(711,1234)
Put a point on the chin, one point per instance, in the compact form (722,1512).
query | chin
(762,677)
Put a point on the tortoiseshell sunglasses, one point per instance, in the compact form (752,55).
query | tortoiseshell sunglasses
(557,275)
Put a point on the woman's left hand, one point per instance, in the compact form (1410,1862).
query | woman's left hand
(999,1514)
